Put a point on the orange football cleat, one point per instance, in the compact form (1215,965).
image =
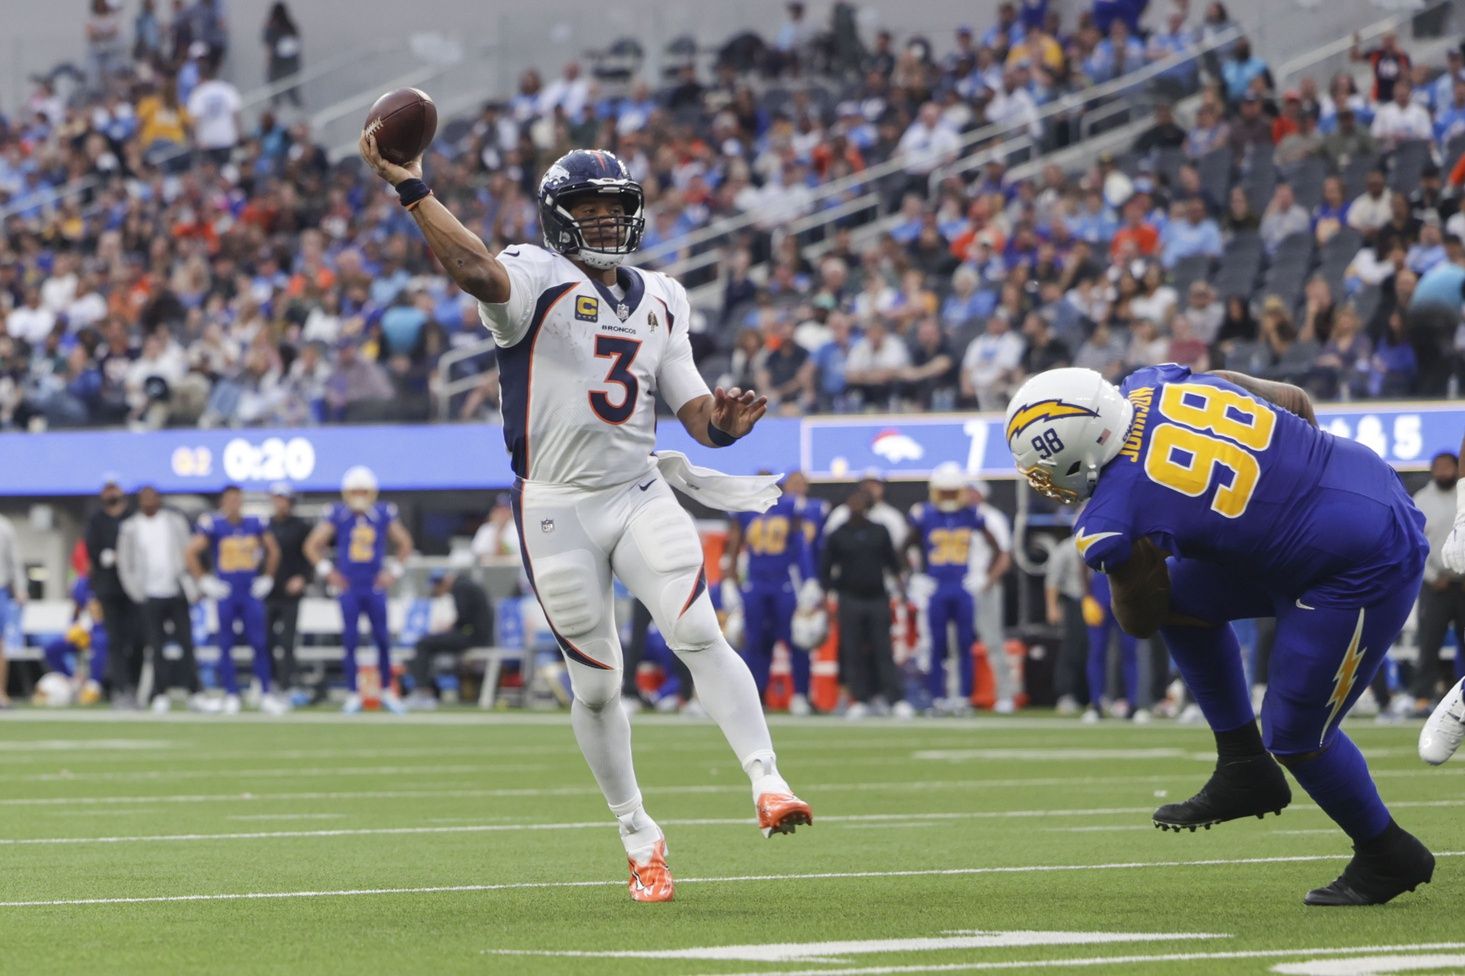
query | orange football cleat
(780,813)
(650,877)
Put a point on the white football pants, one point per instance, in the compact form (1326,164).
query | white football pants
(572,540)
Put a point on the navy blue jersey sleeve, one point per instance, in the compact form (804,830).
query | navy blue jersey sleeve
(1151,376)
(1104,533)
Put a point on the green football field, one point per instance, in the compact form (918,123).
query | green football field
(462,843)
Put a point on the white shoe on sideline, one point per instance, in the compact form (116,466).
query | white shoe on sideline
(1444,728)
(392,702)
(1141,716)
(1191,715)
(353,704)
(1091,716)
(1067,705)
(1367,703)
(903,710)
(1005,706)
(204,704)
(231,705)
(273,705)
(799,705)
(857,711)
(161,704)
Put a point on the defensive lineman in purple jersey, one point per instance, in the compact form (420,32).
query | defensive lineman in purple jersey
(942,531)
(243,556)
(1261,513)
(780,561)
(363,571)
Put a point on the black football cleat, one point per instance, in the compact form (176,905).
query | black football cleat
(1398,863)
(1250,787)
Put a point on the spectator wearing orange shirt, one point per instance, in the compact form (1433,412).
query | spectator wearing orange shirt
(1290,118)
(1137,237)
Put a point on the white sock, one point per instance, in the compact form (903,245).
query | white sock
(762,770)
(604,735)
(638,830)
(726,689)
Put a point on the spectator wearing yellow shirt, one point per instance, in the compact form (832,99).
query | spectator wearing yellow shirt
(163,124)
(1036,48)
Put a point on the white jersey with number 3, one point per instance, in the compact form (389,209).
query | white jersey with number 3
(579,365)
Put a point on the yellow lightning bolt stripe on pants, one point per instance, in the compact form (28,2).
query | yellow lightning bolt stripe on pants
(1346,676)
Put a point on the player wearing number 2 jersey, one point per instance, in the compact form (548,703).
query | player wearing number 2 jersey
(1261,514)
(583,344)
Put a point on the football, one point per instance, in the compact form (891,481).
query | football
(404,122)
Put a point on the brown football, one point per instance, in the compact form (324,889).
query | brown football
(404,121)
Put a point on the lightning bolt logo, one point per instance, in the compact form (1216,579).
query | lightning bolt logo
(1044,410)
(1346,676)
(1085,541)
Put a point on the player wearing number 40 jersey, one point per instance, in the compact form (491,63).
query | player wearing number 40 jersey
(584,343)
(1261,514)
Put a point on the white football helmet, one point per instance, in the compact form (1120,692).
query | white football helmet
(358,487)
(54,690)
(809,628)
(1062,427)
(948,484)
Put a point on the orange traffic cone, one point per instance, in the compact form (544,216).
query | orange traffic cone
(1017,655)
(780,679)
(824,671)
(369,687)
(984,685)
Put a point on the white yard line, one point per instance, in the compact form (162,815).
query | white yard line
(479,828)
(292,772)
(286,816)
(730,879)
(897,819)
(955,785)
(1130,960)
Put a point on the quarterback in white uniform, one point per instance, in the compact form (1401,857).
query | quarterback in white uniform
(584,344)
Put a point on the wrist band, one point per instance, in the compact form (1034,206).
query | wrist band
(411,191)
(718,436)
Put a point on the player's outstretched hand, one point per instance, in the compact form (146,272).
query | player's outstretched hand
(384,168)
(735,411)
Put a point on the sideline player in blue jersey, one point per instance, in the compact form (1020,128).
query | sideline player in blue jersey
(1261,514)
(362,572)
(1098,617)
(243,556)
(942,531)
(85,637)
(812,512)
(780,564)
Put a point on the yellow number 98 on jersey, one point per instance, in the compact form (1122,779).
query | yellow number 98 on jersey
(1212,429)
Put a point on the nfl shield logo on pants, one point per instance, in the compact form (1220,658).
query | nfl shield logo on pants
(546,525)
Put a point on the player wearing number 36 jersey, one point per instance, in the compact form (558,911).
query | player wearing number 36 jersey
(1261,514)
(584,344)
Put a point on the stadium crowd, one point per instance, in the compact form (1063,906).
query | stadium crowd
(219,270)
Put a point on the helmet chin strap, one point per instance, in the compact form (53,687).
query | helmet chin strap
(599,259)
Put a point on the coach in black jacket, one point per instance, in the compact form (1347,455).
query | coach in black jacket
(852,564)
(121,618)
(282,607)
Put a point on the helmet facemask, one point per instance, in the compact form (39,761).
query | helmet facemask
(600,242)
